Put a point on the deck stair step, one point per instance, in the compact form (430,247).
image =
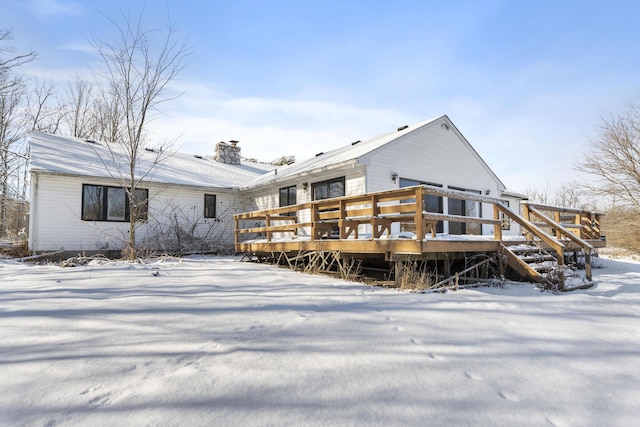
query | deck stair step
(532,261)
(537,258)
(530,247)
(544,267)
(541,265)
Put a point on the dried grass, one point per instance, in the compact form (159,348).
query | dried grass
(622,228)
(416,277)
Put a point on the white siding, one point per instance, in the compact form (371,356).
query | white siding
(56,223)
(171,204)
(432,154)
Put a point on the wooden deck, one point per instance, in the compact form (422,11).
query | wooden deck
(394,224)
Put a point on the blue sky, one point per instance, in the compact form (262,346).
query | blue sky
(527,82)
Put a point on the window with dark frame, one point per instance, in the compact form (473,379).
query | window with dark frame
(464,208)
(431,203)
(108,203)
(288,197)
(209,205)
(141,203)
(328,189)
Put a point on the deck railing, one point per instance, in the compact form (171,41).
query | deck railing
(342,218)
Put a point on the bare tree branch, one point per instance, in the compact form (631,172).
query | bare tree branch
(13,127)
(614,159)
(138,68)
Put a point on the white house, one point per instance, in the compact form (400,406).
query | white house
(432,152)
(77,196)
(78,202)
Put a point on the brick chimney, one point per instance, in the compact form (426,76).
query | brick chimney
(228,153)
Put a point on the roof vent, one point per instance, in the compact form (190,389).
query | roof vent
(402,128)
(319,154)
(355,142)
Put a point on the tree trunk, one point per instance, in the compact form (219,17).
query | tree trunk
(132,228)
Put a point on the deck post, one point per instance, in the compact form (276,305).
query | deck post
(399,265)
(267,223)
(314,221)
(587,263)
(558,220)
(341,223)
(236,230)
(375,212)
(497,228)
(419,218)
(527,217)
(446,265)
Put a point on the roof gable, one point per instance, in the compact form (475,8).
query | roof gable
(358,152)
(337,157)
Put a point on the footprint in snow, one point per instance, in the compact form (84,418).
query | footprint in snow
(472,376)
(90,389)
(100,400)
(128,369)
(551,423)
(508,396)
(307,314)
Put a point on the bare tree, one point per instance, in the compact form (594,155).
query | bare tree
(10,60)
(12,124)
(138,68)
(614,160)
(79,114)
(568,194)
(11,132)
(42,112)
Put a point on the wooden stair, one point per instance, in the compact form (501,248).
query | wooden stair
(534,263)
(542,258)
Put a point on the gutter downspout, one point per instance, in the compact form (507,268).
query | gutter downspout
(33,229)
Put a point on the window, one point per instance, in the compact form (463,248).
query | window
(328,189)
(105,203)
(506,221)
(465,208)
(431,203)
(288,198)
(116,204)
(209,206)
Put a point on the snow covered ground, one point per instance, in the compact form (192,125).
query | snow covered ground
(215,341)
